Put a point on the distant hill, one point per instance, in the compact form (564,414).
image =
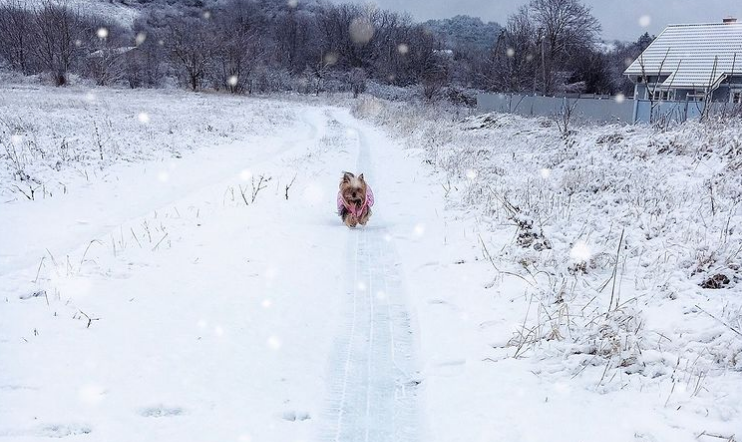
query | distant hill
(465,31)
(121,12)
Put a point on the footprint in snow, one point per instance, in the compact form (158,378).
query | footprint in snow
(161,411)
(294,416)
(60,430)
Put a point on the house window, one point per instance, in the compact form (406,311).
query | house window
(696,95)
(737,96)
(661,95)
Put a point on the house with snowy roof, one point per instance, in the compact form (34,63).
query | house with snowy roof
(692,62)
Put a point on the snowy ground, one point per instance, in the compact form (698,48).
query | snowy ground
(146,296)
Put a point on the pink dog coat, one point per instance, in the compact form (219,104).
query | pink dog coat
(358,212)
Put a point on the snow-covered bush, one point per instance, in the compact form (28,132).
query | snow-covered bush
(50,140)
(624,235)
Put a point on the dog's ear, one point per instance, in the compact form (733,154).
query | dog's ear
(347,176)
(360,177)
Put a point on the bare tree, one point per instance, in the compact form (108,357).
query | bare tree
(58,31)
(144,65)
(511,63)
(565,28)
(16,29)
(189,41)
(237,47)
(436,75)
(105,62)
(653,87)
(357,81)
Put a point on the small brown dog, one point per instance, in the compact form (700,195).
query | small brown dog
(355,199)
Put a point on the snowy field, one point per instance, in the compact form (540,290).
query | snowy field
(179,273)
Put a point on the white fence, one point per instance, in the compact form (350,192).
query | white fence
(606,110)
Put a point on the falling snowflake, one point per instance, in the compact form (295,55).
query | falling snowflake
(102,33)
(292,3)
(266,303)
(362,286)
(246,175)
(17,140)
(219,331)
(330,58)
(645,21)
(361,30)
(78,43)
(510,52)
(388,237)
(545,173)
(207,15)
(274,342)
(141,37)
(202,323)
(163,176)
(580,252)
(471,174)
(90,97)
(143,117)
(419,230)
(244,438)
(403,48)
(233,80)
(380,295)
(620,98)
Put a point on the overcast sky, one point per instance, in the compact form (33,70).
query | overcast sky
(620,18)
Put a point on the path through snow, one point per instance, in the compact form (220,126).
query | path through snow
(210,319)
(374,383)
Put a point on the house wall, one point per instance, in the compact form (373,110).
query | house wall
(721,94)
(640,90)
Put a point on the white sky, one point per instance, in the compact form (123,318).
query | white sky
(620,18)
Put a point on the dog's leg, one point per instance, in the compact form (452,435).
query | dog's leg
(365,217)
(349,220)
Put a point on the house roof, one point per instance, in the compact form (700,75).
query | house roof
(693,56)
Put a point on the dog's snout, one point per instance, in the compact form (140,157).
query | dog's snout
(355,194)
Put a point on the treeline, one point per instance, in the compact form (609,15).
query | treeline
(238,45)
(550,47)
(242,46)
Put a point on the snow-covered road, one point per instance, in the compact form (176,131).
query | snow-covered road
(374,394)
(211,319)
(184,298)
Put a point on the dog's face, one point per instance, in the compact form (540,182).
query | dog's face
(353,188)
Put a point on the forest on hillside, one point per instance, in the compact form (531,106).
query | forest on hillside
(547,47)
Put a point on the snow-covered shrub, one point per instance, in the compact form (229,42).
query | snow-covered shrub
(641,225)
(52,138)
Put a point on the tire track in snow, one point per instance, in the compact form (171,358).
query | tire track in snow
(373,393)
